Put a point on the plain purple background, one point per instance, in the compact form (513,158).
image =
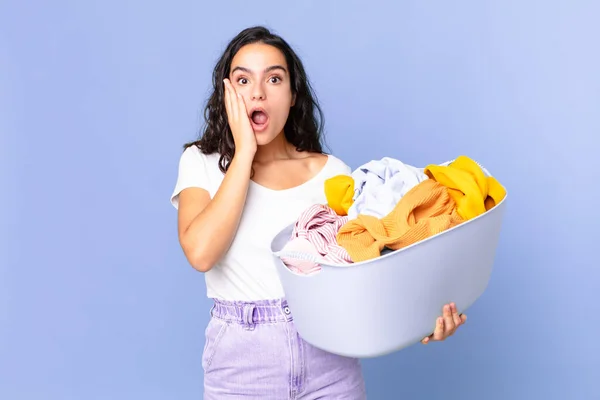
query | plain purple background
(97,98)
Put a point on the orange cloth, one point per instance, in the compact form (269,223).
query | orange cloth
(425,210)
(473,192)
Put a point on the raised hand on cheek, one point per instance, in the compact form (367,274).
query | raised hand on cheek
(239,122)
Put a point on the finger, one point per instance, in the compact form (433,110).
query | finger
(438,334)
(448,321)
(428,339)
(227,95)
(455,316)
(463,318)
(234,101)
(242,111)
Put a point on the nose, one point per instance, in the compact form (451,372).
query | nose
(258,92)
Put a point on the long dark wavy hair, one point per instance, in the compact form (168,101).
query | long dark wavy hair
(304,126)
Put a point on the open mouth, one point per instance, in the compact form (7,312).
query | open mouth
(260,119)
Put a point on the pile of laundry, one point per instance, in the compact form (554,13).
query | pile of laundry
(384,206)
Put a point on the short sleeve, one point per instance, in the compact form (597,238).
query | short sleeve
(193,172)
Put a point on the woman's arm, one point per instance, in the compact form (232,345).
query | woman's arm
(207,227)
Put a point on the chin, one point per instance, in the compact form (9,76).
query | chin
(262,141)
(264,138)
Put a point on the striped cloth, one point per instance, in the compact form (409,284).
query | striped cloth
(313,240)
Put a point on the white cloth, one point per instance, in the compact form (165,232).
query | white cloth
(380,184)
(247,272)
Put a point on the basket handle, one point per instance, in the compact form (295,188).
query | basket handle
(299,261)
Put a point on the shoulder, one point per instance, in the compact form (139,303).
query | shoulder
(193,158)
(198,170)
(325,163)
(193,153)
(337,166)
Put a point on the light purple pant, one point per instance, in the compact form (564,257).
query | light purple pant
(253,351)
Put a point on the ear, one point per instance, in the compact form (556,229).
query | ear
(293,100)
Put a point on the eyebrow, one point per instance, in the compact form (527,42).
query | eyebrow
(268,69)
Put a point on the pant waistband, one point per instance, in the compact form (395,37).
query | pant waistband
(251,313)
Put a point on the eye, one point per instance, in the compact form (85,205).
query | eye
(242,81)
(275,79)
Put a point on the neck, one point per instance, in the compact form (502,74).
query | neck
(278,149)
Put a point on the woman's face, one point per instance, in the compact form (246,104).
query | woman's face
(259,72)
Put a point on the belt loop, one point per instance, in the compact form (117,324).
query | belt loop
(248,316)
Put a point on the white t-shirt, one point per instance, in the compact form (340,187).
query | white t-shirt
(247,271)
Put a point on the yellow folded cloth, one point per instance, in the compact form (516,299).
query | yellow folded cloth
(339,191)
(425,210)
(473,192)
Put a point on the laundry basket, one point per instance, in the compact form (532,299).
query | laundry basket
(379,306)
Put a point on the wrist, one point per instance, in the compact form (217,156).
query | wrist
(243,159)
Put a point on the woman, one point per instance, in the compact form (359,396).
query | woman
(257,166)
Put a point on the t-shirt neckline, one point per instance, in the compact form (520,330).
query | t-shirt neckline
(297,187)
